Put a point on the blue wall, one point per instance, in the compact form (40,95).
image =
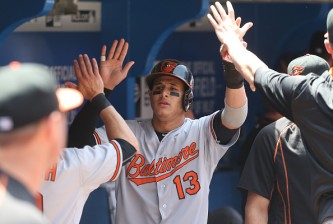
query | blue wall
(278,28)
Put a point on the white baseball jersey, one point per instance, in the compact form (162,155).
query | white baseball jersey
(79,171)
(110,187)
(168,181)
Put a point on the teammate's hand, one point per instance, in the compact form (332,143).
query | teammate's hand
(111,67)
(89,79)
(225,25)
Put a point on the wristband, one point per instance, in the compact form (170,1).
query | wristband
(107,92)
(100,102)
(232,77)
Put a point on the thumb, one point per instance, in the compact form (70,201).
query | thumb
(71,85)
(245,44)
(128,66)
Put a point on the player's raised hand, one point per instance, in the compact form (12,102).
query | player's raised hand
(225,25)
(111,67)
(89,79)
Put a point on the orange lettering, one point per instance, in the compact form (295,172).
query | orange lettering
(39,201)
(158,166)
(144,170)
(51,174)
(185,152)
(193,149)
(136,166)
(165,166)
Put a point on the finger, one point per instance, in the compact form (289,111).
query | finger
(238,21)
(123,53)
(82,66)
(231,12)
(77,70)
(95,67)
(246,27)
(212,21)
(71,85)
(88,65)
(103,50)
(217,16)
(112,49)
(128,66)
(244,44)
(221,11)
(119,48)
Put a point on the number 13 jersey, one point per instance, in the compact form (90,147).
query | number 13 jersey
(168,181)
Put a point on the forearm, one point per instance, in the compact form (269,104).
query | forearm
(81,130)
(256,209)
(235,111)
(116,127)
(255,216)
(245,61)
(235,98)
(83,126)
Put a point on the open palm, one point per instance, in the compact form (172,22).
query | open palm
(111,69)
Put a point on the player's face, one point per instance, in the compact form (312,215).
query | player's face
(166,97)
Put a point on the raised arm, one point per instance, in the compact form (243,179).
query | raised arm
(91,86)
(112,73)
(228,33)
(229,120)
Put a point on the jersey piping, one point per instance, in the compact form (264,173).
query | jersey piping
(118,166)
(279,147)
(97,138)
(211,127)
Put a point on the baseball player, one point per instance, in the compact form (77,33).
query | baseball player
(68,183)
(32,120)
(273,175)
(168,181)
(305,100)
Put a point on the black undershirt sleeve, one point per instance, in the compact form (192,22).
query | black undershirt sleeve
(81,131)
(223,134)
(127,149)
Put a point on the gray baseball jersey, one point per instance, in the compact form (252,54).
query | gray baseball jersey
(68,184)
(168,181)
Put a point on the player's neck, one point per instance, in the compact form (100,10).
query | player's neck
(167,125)
(24,169)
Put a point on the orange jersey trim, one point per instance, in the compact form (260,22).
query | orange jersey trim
(118,166)
(287,212)
(97,138)
(211,127)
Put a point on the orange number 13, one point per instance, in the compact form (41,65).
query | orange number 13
(194,184)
